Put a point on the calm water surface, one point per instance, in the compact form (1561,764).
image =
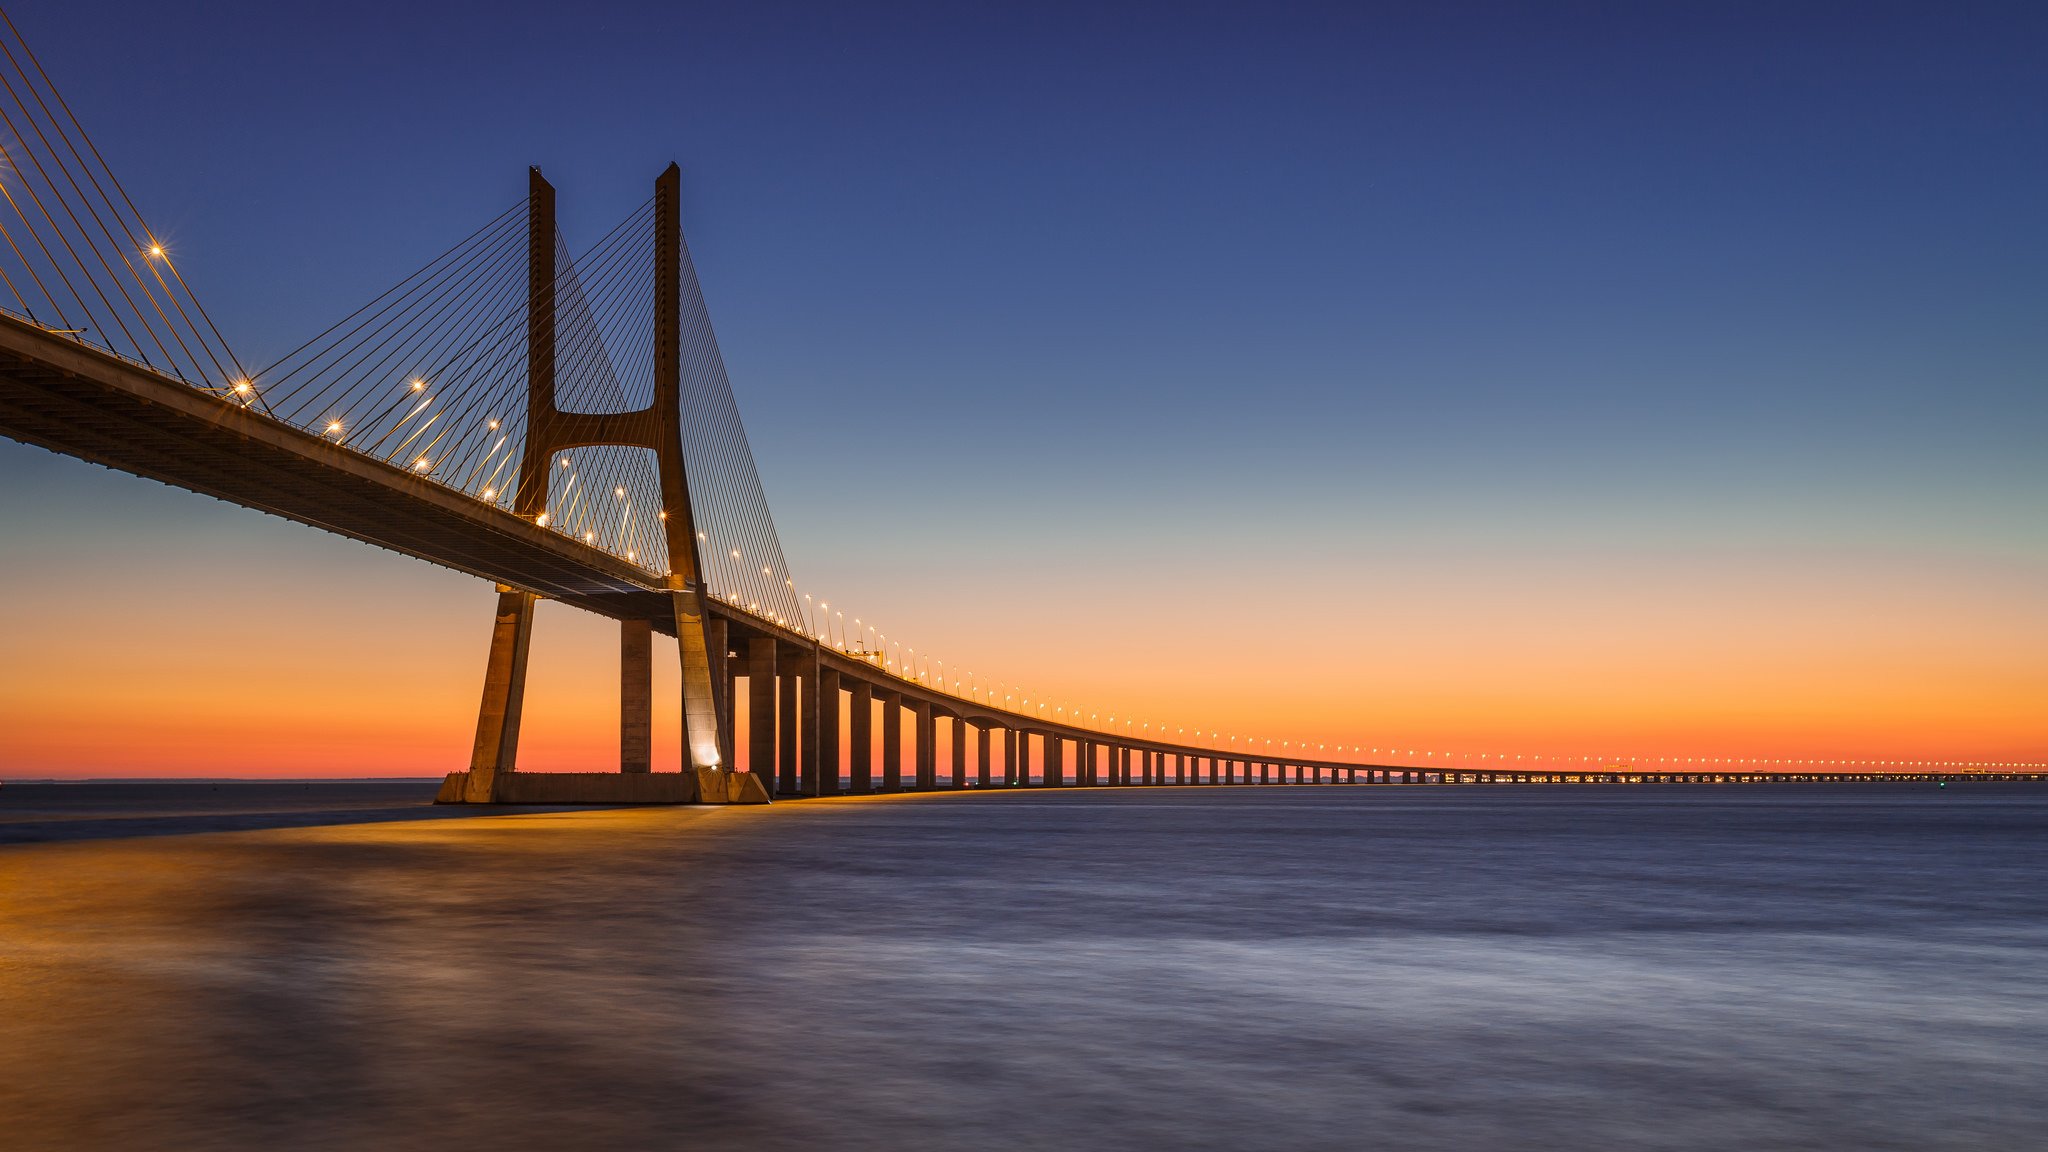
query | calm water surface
(1771,967)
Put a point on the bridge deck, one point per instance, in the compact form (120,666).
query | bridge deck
(72,398)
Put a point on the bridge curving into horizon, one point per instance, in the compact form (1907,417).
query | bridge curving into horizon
(561,425)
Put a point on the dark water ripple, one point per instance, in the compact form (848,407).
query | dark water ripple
(1774,967)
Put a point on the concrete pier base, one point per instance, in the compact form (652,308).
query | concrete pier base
(702,786)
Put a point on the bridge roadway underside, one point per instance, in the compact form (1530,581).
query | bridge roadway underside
(74,399)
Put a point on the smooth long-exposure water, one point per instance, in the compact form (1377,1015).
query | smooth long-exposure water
(1762,967)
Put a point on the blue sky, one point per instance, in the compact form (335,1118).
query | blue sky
(1130,298)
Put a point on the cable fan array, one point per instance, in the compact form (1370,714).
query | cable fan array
(75,255)
(432,376)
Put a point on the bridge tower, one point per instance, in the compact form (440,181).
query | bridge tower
(658,427)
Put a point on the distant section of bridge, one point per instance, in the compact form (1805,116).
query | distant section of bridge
(561,426)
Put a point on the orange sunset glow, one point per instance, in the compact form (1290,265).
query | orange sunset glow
(258,648)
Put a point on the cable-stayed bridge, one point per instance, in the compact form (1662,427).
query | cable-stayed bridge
(560,424)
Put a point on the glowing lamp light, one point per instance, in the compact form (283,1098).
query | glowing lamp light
(242,387)
(334,427)
(493,424)
(619,492)
(589,536)
(156,251)
(422,464)
(541,520)
(418,384)
(490,493)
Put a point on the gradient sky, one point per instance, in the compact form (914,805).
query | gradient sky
(1589,379)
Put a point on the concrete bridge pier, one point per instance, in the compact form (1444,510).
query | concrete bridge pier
(892,741)
(791,665)
(761,751)
(981,750)
(821,735)
(636,695)
(861,732)
(495,751)
(926,771)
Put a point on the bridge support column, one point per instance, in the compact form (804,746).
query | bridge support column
(715,649)
(959,779)
(761,710)
(927,744)
(788,661)
(981,755)
(1054,772)
(821,733)
(892,740)
(862,732)
(636,695)
(1010,776)
(496,749)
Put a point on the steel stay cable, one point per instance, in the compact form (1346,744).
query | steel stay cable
(463,310)
(452,282)
(436,262)
(456,311)
(116,181)
(170,326)
(57,193)
(7,159)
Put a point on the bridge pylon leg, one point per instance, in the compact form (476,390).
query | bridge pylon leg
(495,752)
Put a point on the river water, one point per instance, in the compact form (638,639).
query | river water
(1760,967)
